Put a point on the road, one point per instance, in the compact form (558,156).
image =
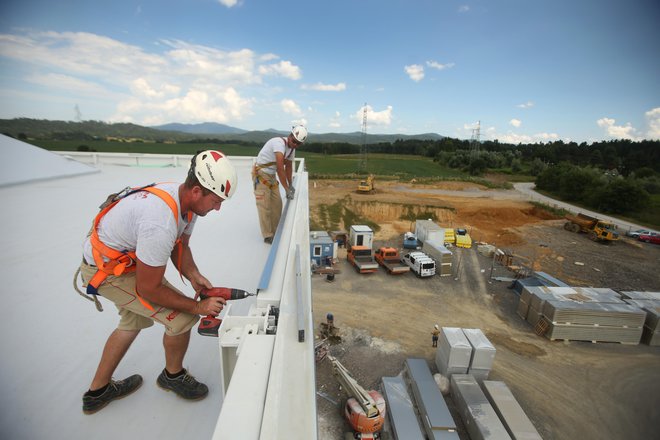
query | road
(527,189)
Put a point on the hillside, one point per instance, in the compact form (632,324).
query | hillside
(25,128)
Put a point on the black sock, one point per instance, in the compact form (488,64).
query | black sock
(175,375)
(97,393)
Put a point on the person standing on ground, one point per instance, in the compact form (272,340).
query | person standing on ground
(275,162)
(434,335)
(124,260)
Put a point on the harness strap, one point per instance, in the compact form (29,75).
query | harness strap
(120,262)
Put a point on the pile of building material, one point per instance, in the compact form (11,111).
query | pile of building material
(464,351)
(483,354)
(650,303)
(509,411)
(581,314)
(441,255)
(400,410)
(433,410)
(481,420)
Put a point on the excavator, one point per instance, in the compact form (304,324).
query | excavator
(366,186)
(364,410)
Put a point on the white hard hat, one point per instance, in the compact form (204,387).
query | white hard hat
(214,172)
(299,133)
(436,327)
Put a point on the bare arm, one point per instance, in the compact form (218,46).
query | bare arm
(187,264)
(283,171)
(149,284)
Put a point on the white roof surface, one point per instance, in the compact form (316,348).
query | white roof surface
(52,338)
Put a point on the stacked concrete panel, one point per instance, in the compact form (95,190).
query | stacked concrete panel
(582,313)
(651,332)
(434,413)
(401,410)
(454,352)
(483,354)
(481,420)
(442,256)
(509,411)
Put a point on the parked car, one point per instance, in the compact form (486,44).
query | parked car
(638,232)
(651,237)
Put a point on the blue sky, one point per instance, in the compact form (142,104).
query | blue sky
(528,70)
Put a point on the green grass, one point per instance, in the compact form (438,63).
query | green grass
(144,147)
(401,166)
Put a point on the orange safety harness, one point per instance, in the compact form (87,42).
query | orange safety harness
(268,179)
(121,262)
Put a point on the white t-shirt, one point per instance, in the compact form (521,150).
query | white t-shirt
(144,223)
(267,153)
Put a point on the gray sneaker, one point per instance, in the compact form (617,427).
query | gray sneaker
(116,390)
(185,386)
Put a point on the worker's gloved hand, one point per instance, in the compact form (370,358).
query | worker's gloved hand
(290,193)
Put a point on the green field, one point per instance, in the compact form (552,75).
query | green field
(318,165)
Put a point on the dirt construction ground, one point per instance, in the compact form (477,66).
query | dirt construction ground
(570,390)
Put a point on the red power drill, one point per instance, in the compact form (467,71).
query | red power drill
(209,325)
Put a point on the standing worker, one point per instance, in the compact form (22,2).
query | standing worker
(275,162)
(124,260)
(434,335)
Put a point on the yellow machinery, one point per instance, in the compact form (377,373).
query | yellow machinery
(366,186)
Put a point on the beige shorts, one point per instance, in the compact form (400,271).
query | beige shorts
(135,316)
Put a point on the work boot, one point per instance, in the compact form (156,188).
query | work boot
(185,385)
(116,390)
(268,240)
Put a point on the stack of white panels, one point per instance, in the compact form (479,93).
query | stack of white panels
(480,418)
(483,354)
(436,418)
(651,332)
(454,352)
(510,412)
(401,410)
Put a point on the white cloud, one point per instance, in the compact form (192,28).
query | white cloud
(289,106)
(228,3)
(179,81)
(618,131)
(464,8)
(339,87)
(436,65)
(415,72)
(513,138)
(528,104)
(283,68)
(653,121)
(383,117)
(515,122)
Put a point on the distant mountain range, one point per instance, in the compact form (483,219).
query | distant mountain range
(177,132)
(212,128)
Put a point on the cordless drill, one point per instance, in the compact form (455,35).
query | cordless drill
(209,325)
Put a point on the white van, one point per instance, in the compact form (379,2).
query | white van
(420,264)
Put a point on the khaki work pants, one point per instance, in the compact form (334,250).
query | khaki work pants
(269,205)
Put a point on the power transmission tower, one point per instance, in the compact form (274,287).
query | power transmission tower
(76,110)
(362,165)
(475,141)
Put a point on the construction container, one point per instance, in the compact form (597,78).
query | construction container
(428,230)
(453,353)
(322,249)
(361,235)
(479,416)
(510,412)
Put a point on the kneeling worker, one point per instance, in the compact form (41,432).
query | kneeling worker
(275,161)
(124,260)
